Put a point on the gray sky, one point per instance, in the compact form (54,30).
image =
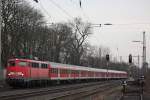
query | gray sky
(129,18)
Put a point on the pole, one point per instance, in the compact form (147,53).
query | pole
(138,61)
(144,46)
(144,53)
(107,71)
(1,71)
(129,71)
(138,65)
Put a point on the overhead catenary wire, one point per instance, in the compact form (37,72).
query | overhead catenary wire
(82,10)
(59,7)
(84,14)
(42,7)
(62,9)
(118,24)
(131,24)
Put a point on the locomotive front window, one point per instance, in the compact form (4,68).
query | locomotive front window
(22,63)
(11,63)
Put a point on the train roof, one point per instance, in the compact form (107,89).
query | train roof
(29,60)
(74,67)
(116,71)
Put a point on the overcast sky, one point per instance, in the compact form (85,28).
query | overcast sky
(129,18)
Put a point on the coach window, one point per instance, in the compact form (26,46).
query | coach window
(55,70)
(52,70)
(65,71)
(35,65)
(68,71)
(22,63)
(60,71)
(77,72)
(72,72)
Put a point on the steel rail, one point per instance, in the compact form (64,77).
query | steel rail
(35,92)
(84,92)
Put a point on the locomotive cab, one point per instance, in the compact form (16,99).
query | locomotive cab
(25,72)
(17,72)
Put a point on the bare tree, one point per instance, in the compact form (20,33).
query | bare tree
(19,22)
(8,12)
(80,31)
(61,38)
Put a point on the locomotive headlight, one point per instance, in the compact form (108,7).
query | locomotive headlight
(19,73)
(11,73)
(16,73)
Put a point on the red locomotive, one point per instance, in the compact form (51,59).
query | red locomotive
(26,72)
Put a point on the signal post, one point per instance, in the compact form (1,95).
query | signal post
(107,59)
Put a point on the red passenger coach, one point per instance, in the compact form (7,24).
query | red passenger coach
(26,72)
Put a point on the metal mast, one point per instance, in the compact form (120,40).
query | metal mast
(144,54)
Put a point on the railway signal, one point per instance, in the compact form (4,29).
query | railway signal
(36,1)
(80,3)
(130,58)
(107,57)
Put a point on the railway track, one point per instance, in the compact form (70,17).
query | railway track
(80,94)
(58,91)
(5,87)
